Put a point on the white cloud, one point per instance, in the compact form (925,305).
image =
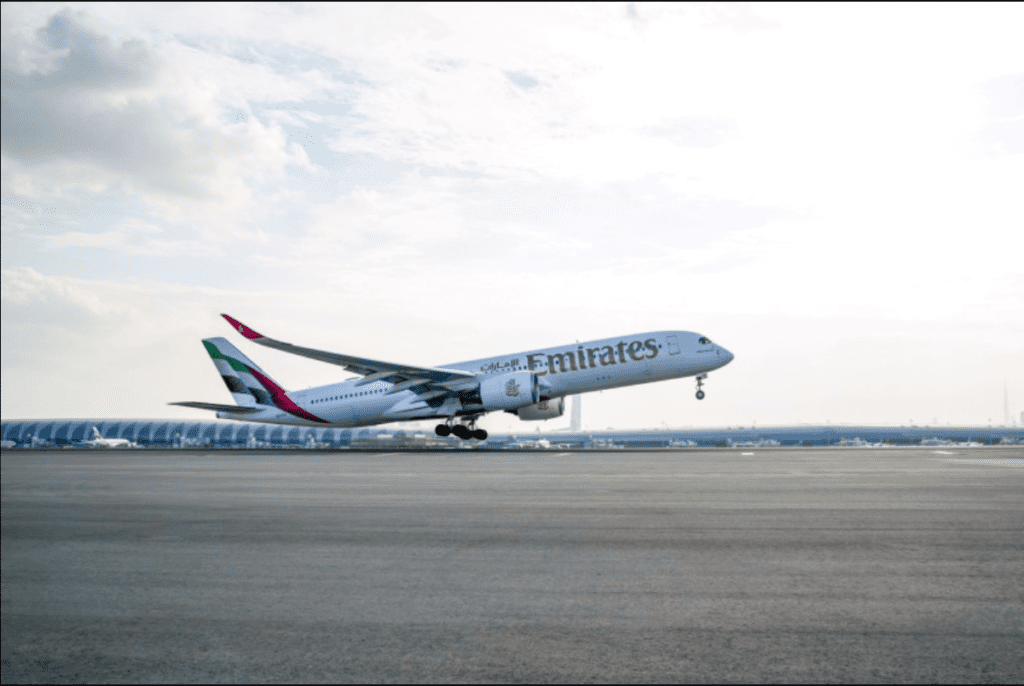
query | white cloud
(80,110)
(133,237)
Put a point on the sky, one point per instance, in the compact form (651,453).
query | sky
(832,192)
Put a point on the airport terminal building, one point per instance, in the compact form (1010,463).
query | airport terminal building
(165,433)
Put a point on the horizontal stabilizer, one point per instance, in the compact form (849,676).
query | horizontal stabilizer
(217,407)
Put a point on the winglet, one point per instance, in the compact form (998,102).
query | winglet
(242,328)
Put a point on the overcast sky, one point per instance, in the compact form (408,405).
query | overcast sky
(834,192)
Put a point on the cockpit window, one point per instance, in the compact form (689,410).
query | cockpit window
(704,340)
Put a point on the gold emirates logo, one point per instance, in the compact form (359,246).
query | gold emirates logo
(512,389)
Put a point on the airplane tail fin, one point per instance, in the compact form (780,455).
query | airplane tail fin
(249,385)
(96,434)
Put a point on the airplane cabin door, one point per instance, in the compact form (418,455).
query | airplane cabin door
(673,344)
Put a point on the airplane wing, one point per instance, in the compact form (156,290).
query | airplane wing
(427,382)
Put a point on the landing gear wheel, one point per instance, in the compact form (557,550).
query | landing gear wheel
(700,395)
(479,434)
(461,431)
(700,383)
(442,430)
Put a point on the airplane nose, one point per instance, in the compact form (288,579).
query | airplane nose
(727,355)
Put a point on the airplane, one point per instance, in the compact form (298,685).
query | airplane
(531,385)
(98,441)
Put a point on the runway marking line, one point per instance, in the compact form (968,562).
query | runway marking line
(1015,463)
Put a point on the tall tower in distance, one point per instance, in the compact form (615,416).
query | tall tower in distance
(576,419)
(1006,407)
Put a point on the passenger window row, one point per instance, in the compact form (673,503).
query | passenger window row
(347,395)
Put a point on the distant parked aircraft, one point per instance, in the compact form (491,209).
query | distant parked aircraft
(531,385)
(98,441)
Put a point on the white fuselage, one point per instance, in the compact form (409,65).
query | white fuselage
(561,371)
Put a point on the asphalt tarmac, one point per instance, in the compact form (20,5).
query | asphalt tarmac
(742,565)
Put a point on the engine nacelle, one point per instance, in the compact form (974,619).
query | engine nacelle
(545,409)
(509,391)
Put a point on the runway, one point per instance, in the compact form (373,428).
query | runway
(742,565)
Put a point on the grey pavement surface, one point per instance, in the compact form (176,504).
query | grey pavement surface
(743,565)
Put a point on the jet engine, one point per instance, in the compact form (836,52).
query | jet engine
(545,409)
(509,391)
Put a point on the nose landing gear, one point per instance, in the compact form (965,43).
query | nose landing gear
(700,384)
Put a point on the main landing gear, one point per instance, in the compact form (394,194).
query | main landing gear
(461,430)
(700,383)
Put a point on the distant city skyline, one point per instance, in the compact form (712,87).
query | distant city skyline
(434,183)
